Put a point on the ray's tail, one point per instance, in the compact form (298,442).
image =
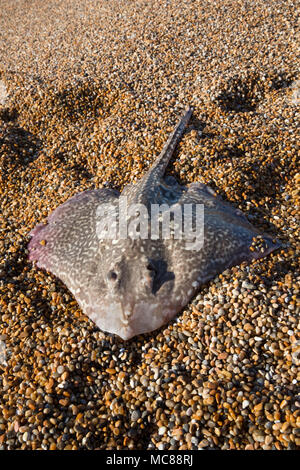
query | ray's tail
(158,168)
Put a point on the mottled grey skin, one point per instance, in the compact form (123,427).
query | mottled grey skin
(131,286)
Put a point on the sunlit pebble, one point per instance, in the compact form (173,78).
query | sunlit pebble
(93,111)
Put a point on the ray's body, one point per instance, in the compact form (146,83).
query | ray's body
(132,286)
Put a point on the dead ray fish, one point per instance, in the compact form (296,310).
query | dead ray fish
(130,285)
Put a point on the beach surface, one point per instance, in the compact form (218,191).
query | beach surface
(89,91)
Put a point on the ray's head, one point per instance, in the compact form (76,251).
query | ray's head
(135,292)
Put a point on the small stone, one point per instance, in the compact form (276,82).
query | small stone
(203,443)
(25,436)
(64,401)
(144,381)
(248,327)
(258,436)
(247,285)
(222,355)
(162,430)
(135,415)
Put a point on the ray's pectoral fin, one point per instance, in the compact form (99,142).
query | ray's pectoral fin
(204,194)
(218,211)
(69,237)
(228,239)
(262,245)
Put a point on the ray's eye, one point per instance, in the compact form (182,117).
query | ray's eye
(112,276)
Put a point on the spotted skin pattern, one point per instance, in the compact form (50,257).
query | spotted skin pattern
(133,286)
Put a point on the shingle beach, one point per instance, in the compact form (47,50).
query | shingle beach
(89,91)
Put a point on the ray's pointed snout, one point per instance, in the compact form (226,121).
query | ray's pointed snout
(126,334)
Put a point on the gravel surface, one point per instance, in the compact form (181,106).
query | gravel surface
(89,91)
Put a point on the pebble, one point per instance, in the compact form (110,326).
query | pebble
(135,415)
(162,430)
(89,103)
(258,436)
(247,285)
